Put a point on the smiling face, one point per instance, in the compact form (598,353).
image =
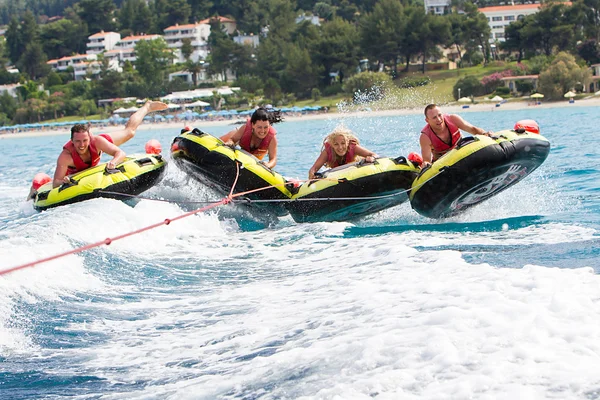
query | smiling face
(435,119)
(261,128)
(340,145)
(81,141)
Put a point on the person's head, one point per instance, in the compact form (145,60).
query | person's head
(262,119)
(80,136)
(339,140)
(433,115)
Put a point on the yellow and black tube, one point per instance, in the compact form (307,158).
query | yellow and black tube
(354,190)
(133,176)
(478,168)
(208,160)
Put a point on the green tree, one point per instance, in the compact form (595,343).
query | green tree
(280,17)
(186,48)
(87,107)
(221,48)
(53,79)
(201,9)
(299,76)
(243,60)
(33,61)
(171,12)
(336,50)
(194,68)
(153,58)
(434,32)
(63,38)
(55,103)
(382,30)
(469,86)
(14,41)
(8,105)
(589,51)
(98,14)
(324,10)
(562,75)
(369,85)
(514,40)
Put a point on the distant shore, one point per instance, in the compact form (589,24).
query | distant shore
(452,108)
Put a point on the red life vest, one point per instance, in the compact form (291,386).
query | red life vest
(438,146)
(263,148)
(81,165)
(332,157)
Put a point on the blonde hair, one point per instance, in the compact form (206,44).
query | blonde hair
(348,135)
(340,130)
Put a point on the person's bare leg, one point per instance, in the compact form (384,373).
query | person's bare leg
(122,136)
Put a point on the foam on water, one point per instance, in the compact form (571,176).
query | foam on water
(372,318)
(394,305)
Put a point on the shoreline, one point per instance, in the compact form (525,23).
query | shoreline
(448,108)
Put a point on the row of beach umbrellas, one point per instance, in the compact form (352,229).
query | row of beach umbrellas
(569,95)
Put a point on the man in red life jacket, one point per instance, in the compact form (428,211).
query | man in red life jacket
(442,132)
(84,149)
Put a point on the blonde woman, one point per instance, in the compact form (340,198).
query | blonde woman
(340,147)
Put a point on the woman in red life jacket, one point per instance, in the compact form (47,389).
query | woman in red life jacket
(442,132)
(84,149)
(257,136)
(340,147)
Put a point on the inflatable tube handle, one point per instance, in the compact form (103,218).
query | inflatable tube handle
(318,175)
(363,162)
(108,171)
(72,182)
(465,141)
(424,169)
(400,160)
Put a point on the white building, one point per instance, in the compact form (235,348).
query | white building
(228,24)
(63,63)
(11,89)
(313,19)
(102,41)
(500,16)
(437,7)
(595,83)
(129,42)
(197,34)
(247,40)
(81,69)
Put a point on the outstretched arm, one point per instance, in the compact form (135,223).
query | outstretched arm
(467,127)
(367,154)
(233,137)
(317,165)
(426,153)
(62,165)
(272,153)
(104,145)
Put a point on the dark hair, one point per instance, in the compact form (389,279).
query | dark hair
(79,128)
(429,107)
(261,114)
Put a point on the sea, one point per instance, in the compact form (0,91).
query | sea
(501,302)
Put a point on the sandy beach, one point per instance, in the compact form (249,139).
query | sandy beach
(452,108)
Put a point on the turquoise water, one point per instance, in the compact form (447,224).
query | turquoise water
(500,302)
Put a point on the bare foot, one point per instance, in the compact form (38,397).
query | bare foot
(156,106)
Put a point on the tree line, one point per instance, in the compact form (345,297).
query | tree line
(292,61)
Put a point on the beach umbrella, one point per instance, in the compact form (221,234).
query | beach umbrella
(464,100)
(497,98)
(537,96)
(169,116)
(597,93)
(570,94)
